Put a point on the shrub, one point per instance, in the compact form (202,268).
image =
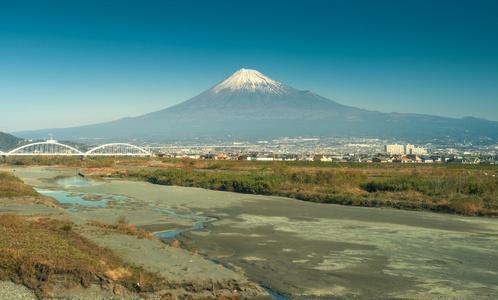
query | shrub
(465,206)
(13,187)
(121,227)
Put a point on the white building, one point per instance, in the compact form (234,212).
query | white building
(402,149)
(418,151)
(395,149)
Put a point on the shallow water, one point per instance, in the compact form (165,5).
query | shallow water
(309,250)
(84,200)
(172,234)
(76,181)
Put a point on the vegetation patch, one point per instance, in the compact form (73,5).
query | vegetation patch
(122,227)
(33,251)
(459,191)
(453,188)
(13,187)
(65,161)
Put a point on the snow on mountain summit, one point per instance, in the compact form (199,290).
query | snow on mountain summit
(251,80)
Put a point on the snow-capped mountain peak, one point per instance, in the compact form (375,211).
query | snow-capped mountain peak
(250,80)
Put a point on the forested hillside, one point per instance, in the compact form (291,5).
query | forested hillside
(9,142)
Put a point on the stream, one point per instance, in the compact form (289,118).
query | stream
(78,201)
(299,249)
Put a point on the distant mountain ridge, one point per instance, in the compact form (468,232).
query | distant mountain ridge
(9,142)
(250,104)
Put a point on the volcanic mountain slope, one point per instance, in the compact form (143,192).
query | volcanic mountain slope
(249,104)
(248,94)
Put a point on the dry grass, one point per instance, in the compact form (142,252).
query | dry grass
(32,251)
(15,191)
(466,191)
(13,187)
(121,227)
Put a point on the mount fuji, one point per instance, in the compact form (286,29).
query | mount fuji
(250,95)
(252,105)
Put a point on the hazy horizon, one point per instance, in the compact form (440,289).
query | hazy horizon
(69,64)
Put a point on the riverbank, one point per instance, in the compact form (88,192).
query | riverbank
(461,189)
(186,274)
(310,250)
(463,192)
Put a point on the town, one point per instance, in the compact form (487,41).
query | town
(333,149)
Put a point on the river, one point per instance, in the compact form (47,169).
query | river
(308,250)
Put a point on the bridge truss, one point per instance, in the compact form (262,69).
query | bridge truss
(45,148)
(118,149)
(52,147)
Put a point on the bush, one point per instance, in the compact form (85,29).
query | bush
(13,187)
(408,188)
(468,206)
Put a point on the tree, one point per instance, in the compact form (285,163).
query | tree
(187,164)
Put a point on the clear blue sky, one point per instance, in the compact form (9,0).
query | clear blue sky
(67,63)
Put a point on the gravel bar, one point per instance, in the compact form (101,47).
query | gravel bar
(12,291)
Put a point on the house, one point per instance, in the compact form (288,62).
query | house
(492,161)
(402,160)
(473,159)
(321,158)
(260,157)
(379,159)
(264,158)
(288,157)
(458,160)
(438,159)
(415,158)
(426,159)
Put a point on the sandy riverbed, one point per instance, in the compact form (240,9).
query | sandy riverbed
(184,270)
(303,249)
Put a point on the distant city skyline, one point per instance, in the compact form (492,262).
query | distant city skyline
(67,64)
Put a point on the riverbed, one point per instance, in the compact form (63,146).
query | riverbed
(308,250)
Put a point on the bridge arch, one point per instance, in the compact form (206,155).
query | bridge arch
(45,148)
(118,149)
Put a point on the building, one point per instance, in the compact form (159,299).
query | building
(379,159)
(321,158)
(417,151)
(408,149)
(259,157)
(404,149)
(426,159)
(402,160)
(395,149)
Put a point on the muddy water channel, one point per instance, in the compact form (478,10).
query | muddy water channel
(305,250)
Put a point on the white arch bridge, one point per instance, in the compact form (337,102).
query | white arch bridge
(52,147)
